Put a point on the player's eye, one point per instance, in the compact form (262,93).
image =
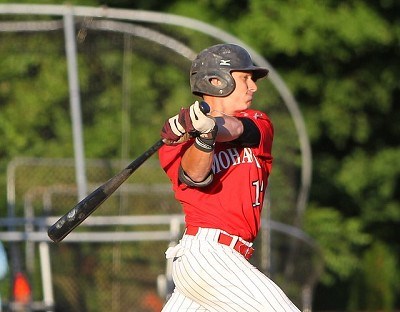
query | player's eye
(249,77)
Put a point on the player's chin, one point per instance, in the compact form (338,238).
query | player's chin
(248,103)
(242,105)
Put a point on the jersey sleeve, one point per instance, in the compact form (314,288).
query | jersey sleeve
(170,159)
(264,125)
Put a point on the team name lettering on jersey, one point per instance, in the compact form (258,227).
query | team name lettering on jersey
(231,157)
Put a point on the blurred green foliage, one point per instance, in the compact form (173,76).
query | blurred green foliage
(340,59)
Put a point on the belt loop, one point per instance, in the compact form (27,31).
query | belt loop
(234,241)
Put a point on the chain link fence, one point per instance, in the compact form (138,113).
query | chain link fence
(96,273)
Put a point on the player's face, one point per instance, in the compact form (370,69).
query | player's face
(242,97)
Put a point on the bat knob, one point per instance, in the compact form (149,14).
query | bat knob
(204,107)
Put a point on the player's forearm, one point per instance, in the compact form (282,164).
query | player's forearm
(196,163)
(229,128)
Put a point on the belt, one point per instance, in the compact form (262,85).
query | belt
(226,239)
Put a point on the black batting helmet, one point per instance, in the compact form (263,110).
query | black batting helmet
(219,61)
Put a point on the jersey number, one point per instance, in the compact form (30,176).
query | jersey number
(259,188)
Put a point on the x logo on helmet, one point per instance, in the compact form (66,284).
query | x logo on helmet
(225,63)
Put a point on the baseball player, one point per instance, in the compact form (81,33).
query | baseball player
(219,165)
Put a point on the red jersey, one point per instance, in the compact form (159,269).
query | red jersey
(233,200)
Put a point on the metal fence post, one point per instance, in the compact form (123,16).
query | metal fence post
(75,102)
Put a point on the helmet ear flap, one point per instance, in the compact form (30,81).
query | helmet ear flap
(201,83)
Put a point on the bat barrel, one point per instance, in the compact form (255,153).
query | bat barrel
(68,222)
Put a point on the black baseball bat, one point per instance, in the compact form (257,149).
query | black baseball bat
(68,222)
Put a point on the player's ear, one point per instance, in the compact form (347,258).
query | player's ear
(215,82)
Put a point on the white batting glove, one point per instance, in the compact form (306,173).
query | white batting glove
(201,122)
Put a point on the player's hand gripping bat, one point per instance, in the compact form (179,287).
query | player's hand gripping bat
(68,222)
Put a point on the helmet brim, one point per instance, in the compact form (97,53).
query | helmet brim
(258,72)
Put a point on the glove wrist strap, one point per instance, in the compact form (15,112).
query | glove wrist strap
(206,141)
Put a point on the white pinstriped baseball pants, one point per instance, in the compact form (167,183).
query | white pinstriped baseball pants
(209,276)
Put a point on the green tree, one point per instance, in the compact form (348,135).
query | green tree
(339,58)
